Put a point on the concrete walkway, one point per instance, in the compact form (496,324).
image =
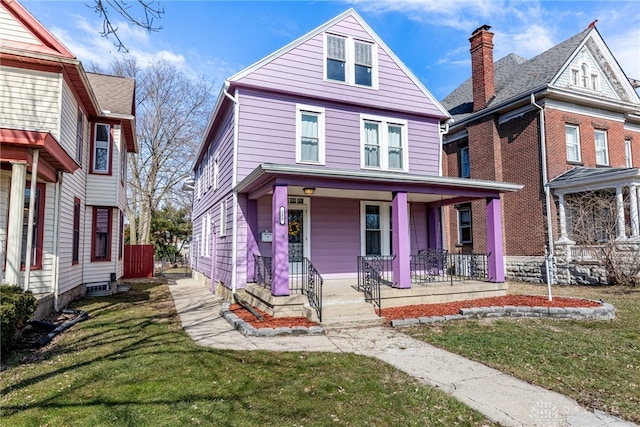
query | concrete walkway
(501,398)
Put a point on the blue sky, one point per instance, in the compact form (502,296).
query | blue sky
(218,38)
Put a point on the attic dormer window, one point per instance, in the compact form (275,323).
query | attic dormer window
(350,61)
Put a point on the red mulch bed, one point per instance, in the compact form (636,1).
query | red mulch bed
(427,310)
(423,310)
(268,321)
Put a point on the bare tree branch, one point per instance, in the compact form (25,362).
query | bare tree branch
(104,8)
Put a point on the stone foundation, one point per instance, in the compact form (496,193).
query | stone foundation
(526,268)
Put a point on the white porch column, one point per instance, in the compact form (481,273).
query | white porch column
(563,219)
(620,229)
(633,208)
(14,225)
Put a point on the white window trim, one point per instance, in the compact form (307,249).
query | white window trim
(95,147)
(577,128)
(202,236)
(385,227)
(223,218)
(208,234)
(350,60)
(216,171)
(384,141)
(606,147)
(302,108)
(460,209)
(628,154)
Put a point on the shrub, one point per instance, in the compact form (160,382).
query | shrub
(16,307)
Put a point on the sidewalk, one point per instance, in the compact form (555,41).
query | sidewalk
(501,398)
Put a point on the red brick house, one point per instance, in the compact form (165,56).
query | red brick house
(564,123)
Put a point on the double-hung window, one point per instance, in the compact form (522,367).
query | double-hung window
(75,249)
(602,151)
(336,51)
(465,166)
(627,153)
(216,171)
(464,224)
(350,60)
(363,62)
(223,218)
(383,143)
(376,228)
(101,250)
(102,149)
(310,136)
(572,136)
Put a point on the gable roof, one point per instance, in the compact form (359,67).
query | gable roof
(321,29)
(42,41)
(516,77)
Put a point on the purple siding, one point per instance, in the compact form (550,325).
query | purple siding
(268,129)
(301,70)
(335,232)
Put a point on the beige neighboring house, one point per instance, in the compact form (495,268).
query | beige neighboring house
(64,139)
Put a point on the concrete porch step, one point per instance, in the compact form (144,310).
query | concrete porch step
(352,321)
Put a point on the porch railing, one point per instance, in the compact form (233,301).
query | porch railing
(303,278)
(262,270)
(437,265)
(373,272)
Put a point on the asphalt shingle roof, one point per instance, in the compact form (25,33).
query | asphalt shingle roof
(514,75)
(115,94)
(579,172)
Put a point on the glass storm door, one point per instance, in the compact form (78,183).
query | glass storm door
(296,239)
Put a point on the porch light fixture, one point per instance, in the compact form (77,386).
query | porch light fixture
(308,191)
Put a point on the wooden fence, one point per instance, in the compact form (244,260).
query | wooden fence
(138,261)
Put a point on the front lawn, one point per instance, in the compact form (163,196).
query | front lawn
(130,364)
(595,362)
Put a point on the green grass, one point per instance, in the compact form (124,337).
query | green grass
(595,362)
(131,365)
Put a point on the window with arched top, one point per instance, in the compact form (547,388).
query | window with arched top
(584,75)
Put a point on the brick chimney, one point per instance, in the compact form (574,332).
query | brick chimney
(482,67)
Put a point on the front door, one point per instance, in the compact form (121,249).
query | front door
(298,221)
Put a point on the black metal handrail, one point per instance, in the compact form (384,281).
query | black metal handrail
(262,270)
(438,265)
(373,272)
(305,278)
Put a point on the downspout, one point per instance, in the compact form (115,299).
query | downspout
(549,257)
(56,230)
(32,203)
(234,219)
(441,133)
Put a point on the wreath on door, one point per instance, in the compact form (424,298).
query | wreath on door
(294,227)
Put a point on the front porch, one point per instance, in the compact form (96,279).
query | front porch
(343,304)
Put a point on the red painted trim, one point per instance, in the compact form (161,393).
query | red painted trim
(93,234)
(121,235)
(93,144)
(54,154)
(36,28)
(77,208)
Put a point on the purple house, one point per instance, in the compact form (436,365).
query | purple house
(322,164)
